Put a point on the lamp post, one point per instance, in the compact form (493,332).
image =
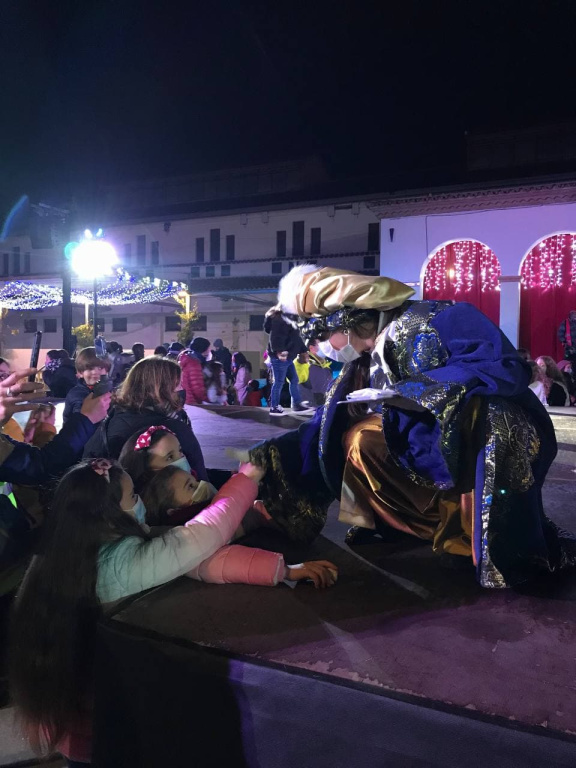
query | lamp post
(93,258)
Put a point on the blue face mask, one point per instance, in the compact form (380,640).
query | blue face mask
(139,511)
(182,463)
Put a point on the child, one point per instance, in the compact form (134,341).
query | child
(215,380)
(253,396)
(89,369)
(98,551)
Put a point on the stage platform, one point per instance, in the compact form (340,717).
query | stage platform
(401,664)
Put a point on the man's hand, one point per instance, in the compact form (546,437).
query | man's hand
(96,408)
(322,572)
(16,392)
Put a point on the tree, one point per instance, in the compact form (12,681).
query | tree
(84,335)
(188,316)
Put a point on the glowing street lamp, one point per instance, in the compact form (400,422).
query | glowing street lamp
(91,259)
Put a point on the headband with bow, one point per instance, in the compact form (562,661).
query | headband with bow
(145,438)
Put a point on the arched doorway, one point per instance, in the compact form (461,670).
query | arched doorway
(548,293)
(465,270)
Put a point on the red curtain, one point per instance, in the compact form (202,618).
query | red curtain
(547,294)
(465,270)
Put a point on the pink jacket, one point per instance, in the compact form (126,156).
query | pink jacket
(192,379)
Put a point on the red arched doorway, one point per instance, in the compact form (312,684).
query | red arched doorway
(548,293)
(465,270)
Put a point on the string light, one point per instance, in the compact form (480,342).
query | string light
(126,289)
(549,262)
(466,262)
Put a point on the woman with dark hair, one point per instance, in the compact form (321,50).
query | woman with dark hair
(59,373)
(160,350)
(97,552)
(431,429)
(241,374)
(554,382)
(147,397)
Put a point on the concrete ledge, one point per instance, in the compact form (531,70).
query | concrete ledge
(288,420)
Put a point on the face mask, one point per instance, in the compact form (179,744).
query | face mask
(139,511)
(204,492)
(319,352)
(182,463)
(345,355)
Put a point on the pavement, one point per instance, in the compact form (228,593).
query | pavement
(499,626)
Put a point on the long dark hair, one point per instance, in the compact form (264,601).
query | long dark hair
(239,361)
(54,619)
(151,383)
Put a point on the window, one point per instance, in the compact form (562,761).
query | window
(298,238)
(374,237)
(225,270)
(256,323)
(201,324)
(210,271)
(16,260)
(5,264)
(172,323)
(200,250)
(127,253)
(369,262)
(27,263)
(155,252)
(30,326)
(141,249)
(230,247)
(315,240)
(119,324)
(276,267)
(100,324)
(194,272)
(214,245)
(50,325)
(281,244)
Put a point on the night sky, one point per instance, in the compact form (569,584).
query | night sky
(95,91)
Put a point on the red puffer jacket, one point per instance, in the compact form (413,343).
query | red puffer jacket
(192,378)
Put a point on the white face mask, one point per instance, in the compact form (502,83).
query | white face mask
(139,511)
(182,463)
(204,492)
(345,355)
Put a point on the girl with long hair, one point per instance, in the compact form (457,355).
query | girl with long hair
(98,551)
(149,396)
(553,380)
(242,374)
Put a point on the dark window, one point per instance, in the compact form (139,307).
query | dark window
(194,271)
(369,262)
(119,324)
(281,244)
(26,263)
(5,263)
(127,253)
(256,323)
(200,250)
(201,324)
(276,267)
(298,238)
(214,245)
(50,325)
(374,237)
(230,247)
(315,240)
(100,324)
(210,271)
(155,252)
(225,270)
(30,326)
(16,260)
(141,249)
(172,323)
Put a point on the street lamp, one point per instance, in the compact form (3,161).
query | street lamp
(91,259)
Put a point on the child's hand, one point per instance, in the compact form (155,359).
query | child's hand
(252,471)
(322,572)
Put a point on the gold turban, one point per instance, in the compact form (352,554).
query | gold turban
(310,291)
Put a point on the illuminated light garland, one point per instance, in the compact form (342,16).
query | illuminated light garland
(546,263)
(126,289)
(472,261)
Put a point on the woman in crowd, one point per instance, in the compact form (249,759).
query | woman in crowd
(161,350)
(147,397)
(284,346)
(97,551)
(442,438)
(193,362)
(242,374)
(537,383)
(59,373)
(554,383)
(215,380)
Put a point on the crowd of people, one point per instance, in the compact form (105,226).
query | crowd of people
(434,428)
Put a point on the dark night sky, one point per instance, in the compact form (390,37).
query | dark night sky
(118,89)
